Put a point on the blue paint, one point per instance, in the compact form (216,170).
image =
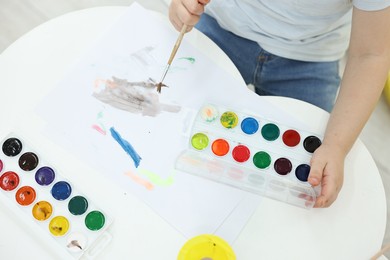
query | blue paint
(61,190)
(302,172)
(249,125)
(126,146)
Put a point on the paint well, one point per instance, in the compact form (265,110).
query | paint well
(270,132)
(59,225)
(76,242)
(44,176)
(241,153)
(256,179)
(249,125)
(12,147)
(236,174)
(28,161)
(291,138)
(302,172)
(311,143)
(209,113)
(78,205)
(42,210)
(9,180)
(25,195)
(199,141)
(220,147)
(61,190)
(277,185)
(229,119)
(94,220)
(261,160)
(1,165)
(283,166)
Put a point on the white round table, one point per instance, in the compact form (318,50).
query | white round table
(353,228)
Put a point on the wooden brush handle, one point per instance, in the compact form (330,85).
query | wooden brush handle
(177,44)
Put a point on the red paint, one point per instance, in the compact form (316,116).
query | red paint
(220,147)
(241,153)
(9,181)
(25,195)
(291,138)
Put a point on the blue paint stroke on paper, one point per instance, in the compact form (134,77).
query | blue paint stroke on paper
(126,146)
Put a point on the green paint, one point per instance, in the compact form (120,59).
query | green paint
(199,141)
(99,115)
(270,132)
(156,179)
(262,160)
(94,220)
(102,127)
(229,119)
(190,59)
(78,205)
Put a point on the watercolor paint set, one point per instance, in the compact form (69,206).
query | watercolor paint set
(251,153)
(58,213)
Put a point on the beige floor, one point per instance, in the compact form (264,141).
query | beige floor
(17,17)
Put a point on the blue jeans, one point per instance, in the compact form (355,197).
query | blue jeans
(313,82)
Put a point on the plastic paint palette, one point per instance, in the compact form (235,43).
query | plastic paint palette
(51,205)
(251,153)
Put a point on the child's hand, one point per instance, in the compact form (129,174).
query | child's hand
(186,12)
(327,169)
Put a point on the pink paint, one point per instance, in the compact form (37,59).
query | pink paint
(99,129)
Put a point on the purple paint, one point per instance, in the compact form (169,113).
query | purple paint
(44,176)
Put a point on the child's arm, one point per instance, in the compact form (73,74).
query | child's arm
(362,84)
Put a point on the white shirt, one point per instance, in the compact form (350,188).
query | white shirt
(308,30)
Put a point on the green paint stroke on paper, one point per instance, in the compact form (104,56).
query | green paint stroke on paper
(156,179)
(190,59)
(99,115)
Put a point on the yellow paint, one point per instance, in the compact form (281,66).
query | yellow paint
(206,247)
(42,210)
(229,119)
(59,225)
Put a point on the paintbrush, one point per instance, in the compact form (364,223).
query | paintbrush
(173,53)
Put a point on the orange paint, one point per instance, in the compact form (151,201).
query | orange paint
(25,195)
(139,180)
(220,147)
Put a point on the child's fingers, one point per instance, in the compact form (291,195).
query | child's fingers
(317,168)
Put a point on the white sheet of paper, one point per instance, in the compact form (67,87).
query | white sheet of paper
(136,49)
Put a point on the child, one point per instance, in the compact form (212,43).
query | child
(293,48)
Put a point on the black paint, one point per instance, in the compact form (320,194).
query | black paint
(12,147)
(311,143)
